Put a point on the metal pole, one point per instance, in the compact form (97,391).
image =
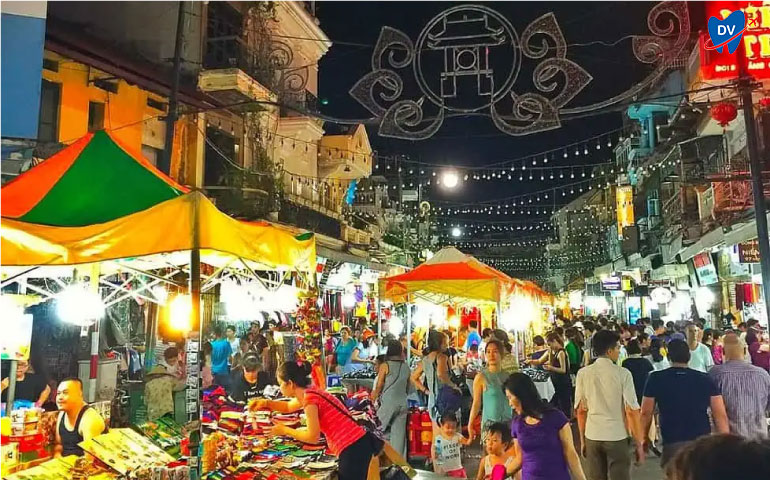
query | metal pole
(173,103)
(408,333)
(745,83)
(94,370)
(194,413)
(11,387)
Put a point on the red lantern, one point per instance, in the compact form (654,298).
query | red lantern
(724,113)
(764,103)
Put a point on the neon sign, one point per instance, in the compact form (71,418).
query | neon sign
(755,42)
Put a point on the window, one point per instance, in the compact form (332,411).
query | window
(95,116)
(153,155)
(48,121)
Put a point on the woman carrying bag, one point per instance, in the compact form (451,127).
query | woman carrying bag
(392,389)
(438,384)
(356,449)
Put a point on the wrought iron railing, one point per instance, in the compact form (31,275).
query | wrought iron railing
(232,52)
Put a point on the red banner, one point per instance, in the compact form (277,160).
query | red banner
(756,42)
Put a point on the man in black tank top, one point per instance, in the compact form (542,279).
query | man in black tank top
(77,421)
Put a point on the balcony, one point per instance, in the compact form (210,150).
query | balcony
(233,74)
(356,236)
(298,104)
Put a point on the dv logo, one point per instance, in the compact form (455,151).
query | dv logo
(726,32)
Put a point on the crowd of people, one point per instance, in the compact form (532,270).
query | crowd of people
(653,387)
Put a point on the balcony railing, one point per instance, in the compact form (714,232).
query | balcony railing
(296,104)
(232,52)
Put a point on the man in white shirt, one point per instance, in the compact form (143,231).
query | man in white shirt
(606,399)
(235,342)
(700,355)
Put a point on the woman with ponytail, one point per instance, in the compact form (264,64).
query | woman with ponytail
(353,445)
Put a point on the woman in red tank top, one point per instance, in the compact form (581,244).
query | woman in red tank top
(353,445)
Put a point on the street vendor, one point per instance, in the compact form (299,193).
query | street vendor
(249,380)
(354,446)
(77,421)
(29,386)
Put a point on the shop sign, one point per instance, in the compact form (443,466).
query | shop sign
(748,252)
(624,200)
(705,269)
(755,42)
(705,204)
(611,283)
(409,196)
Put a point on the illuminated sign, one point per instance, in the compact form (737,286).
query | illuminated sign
(755,42)
(624,198)
(705,269)
(748,252)
(611,284)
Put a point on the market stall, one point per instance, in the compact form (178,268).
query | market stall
(454,280)
(96,225)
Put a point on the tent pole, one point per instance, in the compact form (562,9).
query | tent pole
(94,286)
(11,387)
(194,344)
(408,333)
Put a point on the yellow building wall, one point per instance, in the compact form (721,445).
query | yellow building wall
(126,113)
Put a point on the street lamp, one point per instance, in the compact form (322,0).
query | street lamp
(456,232)
(450,179)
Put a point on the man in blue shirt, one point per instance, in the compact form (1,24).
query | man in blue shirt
(220,356)
(683,396)
(473,335)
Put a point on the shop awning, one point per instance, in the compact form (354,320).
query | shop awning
(165,228)
(451,275)
(94,180)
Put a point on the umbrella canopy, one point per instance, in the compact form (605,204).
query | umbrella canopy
(451,275)
(94,180)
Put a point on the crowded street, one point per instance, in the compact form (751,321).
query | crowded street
(371,239)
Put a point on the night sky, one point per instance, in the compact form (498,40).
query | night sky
(476,141)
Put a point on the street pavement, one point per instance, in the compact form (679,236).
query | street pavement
(650,470)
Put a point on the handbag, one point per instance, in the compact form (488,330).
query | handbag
(448,399)
(394,472)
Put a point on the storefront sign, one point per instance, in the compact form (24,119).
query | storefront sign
(705,269)
(611,283)
(705,204)
(409,196)
(755,42)
(624,200)
(748,252)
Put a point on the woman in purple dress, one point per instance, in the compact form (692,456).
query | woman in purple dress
(542,437)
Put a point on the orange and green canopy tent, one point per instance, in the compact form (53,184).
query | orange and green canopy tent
(96,201)
(94,180)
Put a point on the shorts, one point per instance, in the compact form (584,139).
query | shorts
(459,473)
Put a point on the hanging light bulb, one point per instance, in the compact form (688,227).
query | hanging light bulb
(585,150)
(565,153)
